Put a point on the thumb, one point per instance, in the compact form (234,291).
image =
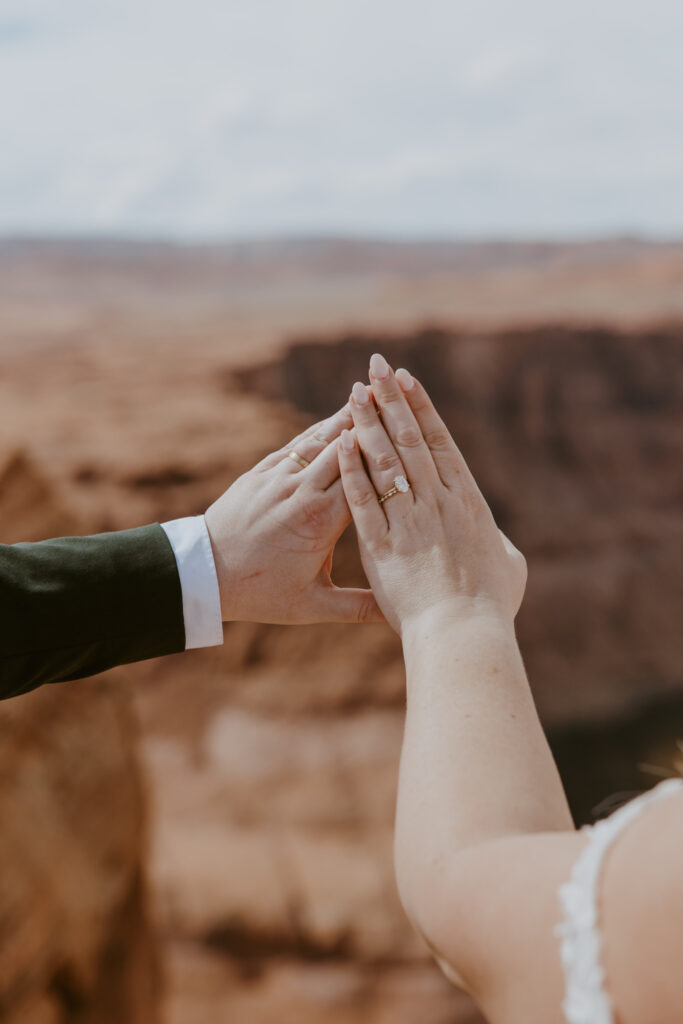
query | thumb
(347,604)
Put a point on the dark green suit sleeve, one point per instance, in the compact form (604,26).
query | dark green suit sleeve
(78,605)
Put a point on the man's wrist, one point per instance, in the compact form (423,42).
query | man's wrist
(189,539)
(214,525)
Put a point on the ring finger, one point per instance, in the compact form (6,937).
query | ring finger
(383,461)
(308,444)
(300,452)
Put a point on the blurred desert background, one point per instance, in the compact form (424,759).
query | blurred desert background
(207,837)
(210,216)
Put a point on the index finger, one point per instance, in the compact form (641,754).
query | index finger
(448,458)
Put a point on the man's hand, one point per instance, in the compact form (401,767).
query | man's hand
(273,534)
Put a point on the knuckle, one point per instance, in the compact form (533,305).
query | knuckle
(287,491)
(360,497)
(364,613)
(390,396)
(366,413)
(385,460)
(409,437)
(313,513)
(439,439)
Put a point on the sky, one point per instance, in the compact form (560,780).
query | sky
(232,119)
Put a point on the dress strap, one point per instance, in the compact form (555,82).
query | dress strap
(586,998)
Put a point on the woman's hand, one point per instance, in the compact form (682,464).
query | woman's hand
(434,548)
(273,534)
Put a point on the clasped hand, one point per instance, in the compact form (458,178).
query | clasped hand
(431,550)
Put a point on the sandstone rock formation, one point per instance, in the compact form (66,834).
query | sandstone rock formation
(75,944)
(294,735)
(30,507)
(576,438)
(146,378)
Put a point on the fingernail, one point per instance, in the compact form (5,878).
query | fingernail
(405,379)
(360,393)
(347,440)
(379,367)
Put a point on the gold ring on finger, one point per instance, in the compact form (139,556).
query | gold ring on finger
(299,459)
(401,486)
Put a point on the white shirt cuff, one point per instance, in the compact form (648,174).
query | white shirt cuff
(189,539)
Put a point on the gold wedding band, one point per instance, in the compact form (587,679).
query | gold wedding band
(401,486)
(299,459)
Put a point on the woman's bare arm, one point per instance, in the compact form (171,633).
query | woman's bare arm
(475,772)
(475,764)
(484,837)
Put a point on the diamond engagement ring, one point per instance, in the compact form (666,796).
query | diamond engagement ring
(401,485)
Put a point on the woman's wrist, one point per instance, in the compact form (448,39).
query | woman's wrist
(469,652)
(458,619)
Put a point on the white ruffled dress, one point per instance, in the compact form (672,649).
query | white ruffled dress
(586,998)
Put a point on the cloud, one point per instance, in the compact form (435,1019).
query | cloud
(16,31)
(203,119)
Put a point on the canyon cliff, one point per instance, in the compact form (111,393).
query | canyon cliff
(136,386)
(75,941)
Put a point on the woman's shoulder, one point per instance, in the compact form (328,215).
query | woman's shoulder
(498,914)
(582,930)
(642,908)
